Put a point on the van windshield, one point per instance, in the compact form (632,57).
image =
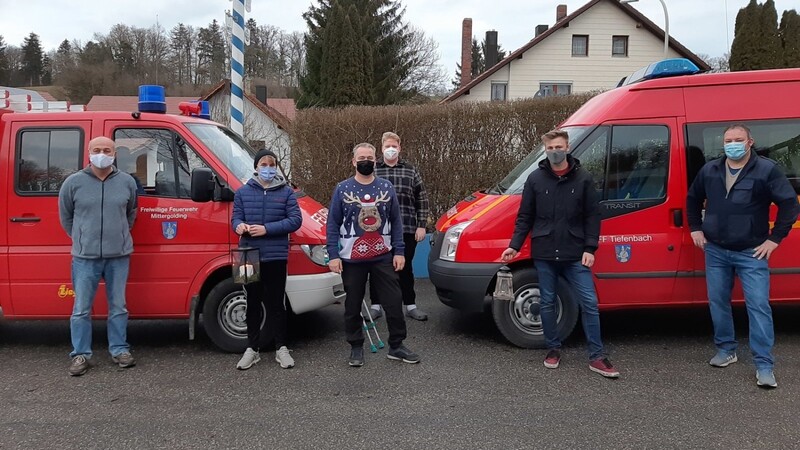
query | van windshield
(515,180)
(230,149)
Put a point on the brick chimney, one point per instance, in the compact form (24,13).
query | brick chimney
(561,12)
(466,51)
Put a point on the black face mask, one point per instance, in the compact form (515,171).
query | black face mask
(365,167)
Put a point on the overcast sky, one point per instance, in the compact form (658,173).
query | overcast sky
(703,26)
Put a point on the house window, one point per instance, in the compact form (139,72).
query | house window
(580,45)
(551,89)
(499,91)
(619,46)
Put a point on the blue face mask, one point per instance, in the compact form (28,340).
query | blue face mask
(267,173)
(735,150)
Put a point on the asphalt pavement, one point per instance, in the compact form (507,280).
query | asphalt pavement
(472,389)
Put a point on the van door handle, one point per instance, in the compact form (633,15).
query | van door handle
(677,217)
(26,219)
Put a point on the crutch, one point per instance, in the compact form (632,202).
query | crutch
(372,326)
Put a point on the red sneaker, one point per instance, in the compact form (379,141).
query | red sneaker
(603,367)
(552,359)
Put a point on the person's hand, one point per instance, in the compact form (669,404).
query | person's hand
(587,259)
(508,254)
(258,230)
(420,234)
(699,239)
(764,250)
(399,262)
(335,265)
(242,228)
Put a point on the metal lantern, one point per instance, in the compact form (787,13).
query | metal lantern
(246,267)
(504,288)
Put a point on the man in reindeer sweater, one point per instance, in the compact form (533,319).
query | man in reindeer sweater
(365,240)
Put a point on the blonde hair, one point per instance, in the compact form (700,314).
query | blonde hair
(389,135)
(555,134)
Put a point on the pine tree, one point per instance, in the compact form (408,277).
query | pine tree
(790,37)
(32,60)
(771,48)
(4,69)
(385,47)
(745,36)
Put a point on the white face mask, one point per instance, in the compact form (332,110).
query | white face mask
(101,160)
(390,153)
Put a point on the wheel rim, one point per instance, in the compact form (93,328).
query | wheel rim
(232,315)
(525,310)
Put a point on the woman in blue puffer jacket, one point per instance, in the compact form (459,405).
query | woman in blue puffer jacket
(265,211)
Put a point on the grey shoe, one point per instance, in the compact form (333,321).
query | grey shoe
(722,359)
(402,353)
(78,366)
(766,379)
(356,357)
(283,357)
(376,313)
(249,358)
(124,360)
(416,314)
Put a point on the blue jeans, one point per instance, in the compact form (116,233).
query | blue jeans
(86,274)
(579,278)
(721,266)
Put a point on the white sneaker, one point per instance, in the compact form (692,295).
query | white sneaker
(283,357)
(249,358)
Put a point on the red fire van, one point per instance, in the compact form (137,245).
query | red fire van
(181,266)
(643,142)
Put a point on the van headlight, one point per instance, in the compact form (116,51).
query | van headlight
(316,253)
(450,243)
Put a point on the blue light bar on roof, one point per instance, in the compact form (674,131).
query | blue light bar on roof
(204,112)
(152,99)
(662,69)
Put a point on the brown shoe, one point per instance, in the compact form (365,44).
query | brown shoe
(124,360)
(79,366)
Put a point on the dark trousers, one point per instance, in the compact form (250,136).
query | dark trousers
(385,280)
(406,275)
(270,292)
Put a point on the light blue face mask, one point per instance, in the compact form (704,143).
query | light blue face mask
(735,150)
(267,173)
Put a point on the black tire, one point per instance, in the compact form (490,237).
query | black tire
(224,316)
(519,320)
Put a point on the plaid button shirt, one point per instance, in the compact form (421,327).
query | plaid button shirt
(411,193)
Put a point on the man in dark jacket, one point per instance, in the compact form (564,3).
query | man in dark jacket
(97,207)
(559,209)
(738,190)
(265,211)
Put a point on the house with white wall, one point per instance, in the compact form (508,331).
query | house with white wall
(591,49)
(266,120)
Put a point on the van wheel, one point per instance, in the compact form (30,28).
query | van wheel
(520,321)
(224,316)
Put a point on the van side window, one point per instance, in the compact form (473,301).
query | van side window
(46,158)
(156,158)
(778,140)
(633,167)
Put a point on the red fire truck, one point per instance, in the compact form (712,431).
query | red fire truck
(187,168)
(643,142)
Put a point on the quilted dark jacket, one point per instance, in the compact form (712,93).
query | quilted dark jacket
(276,208)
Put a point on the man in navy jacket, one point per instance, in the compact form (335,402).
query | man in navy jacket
(738,190)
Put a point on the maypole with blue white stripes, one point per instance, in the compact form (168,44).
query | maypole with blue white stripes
(237,65)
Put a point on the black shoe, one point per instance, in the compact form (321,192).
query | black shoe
(402,353)
(356,357)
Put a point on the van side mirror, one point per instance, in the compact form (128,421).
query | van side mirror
(203,185)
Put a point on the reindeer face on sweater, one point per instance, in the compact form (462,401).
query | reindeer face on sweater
(369,219)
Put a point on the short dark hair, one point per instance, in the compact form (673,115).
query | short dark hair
(555,134)
(740,126)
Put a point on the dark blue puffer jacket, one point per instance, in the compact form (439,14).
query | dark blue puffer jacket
(276,208)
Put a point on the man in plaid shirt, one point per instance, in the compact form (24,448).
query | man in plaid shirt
(413,208)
